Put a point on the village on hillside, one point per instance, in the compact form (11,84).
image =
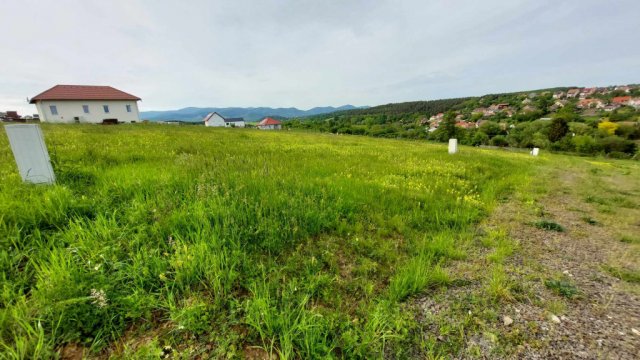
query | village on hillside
(589,101)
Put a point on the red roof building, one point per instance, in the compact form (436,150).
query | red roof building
(86,104)
(620,100)
(269,124)
(83,92)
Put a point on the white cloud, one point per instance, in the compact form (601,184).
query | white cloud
(313,53)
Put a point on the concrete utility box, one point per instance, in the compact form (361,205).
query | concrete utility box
(535,151)
(453,146)
(30,152)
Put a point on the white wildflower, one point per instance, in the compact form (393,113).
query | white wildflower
(99,298)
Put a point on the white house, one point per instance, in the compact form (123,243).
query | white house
(86,104)
(216,120)
(269,124)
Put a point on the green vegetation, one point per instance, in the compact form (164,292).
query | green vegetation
(549,225)
(522,120)
(624,274)
(562,287)
(215,241)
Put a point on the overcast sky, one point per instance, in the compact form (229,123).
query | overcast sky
(175,54)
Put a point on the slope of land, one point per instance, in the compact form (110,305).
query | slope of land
(189,242)
(603,120)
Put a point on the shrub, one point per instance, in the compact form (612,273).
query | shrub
(585,144)
(499,140)
(562,287)
(608,127)
(479,138)
(549,225)
(617,144)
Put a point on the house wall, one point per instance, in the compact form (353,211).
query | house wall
(270,127)
(239,124)
(215,120)
(69,109)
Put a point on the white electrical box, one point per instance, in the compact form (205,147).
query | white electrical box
(30,152)
(453,146)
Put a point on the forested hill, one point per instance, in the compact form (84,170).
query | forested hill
(412,107)
(585,120)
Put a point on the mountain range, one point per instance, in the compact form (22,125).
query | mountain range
(195,114)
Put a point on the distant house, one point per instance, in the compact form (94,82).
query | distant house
(624,88)
(586,92)
(12,116)
(269,124)
(526,101)
(234,122)
(635,102)
(590,103)
(86,104)
(216,120)
(620,100)
(465,125)
(558,95)
(529,108)
(437,117)
(572,93)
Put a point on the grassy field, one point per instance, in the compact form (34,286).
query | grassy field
(224,243)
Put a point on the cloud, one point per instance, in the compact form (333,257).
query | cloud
(312,53)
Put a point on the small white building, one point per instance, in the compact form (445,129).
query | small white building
(269,124)
(86,104)
(216,120)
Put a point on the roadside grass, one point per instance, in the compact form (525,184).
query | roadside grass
(632,276)
(305,245)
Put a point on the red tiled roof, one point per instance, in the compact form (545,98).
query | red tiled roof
(83,92)
(620,99)
(269,121)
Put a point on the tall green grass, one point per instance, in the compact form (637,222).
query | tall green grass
(305,245)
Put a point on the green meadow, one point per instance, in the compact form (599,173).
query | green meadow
(230,243)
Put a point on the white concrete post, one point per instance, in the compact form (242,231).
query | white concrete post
(535,151)
(30,152)
(453,146)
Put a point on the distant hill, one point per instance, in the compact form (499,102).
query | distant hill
(249,114)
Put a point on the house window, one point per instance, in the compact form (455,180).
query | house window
(128,108)
(106,108)
(54,109)
(85,108)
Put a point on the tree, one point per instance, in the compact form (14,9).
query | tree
(585,144)
(558,129)
(479,138)
(499,140)
(449,125)
(608,127)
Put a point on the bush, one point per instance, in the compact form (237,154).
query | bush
(562,287)
(549,225)
(480,138)
(499,140)
(608,127)
(585,144)
(617,144)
